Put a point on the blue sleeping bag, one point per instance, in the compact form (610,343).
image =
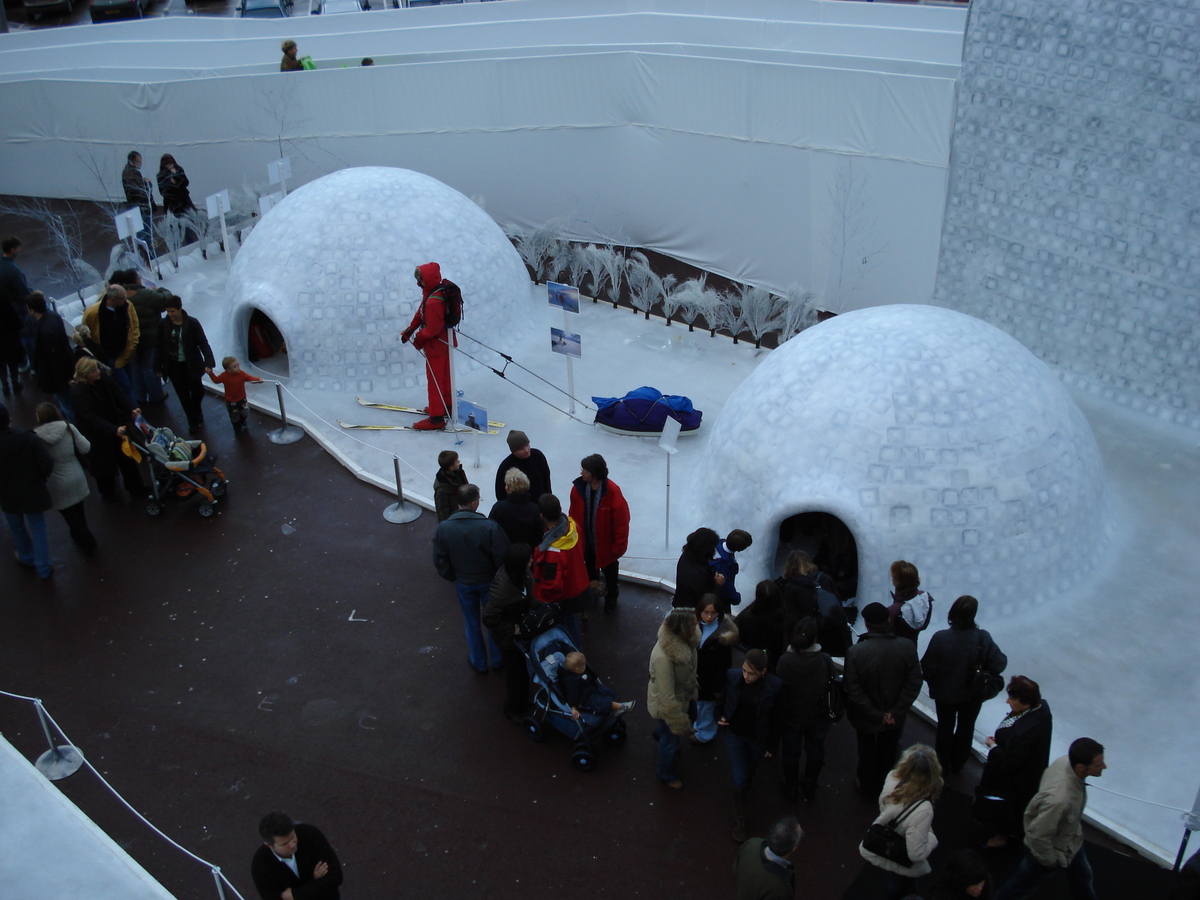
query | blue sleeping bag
(643,411)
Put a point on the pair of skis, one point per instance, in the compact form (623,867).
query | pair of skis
(414,411)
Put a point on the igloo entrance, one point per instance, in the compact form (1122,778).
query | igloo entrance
(265,347)
(827,540)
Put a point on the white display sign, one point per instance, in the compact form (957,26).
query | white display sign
(267,202)
(670,434)
(217,203)
(279,170)
(128,223)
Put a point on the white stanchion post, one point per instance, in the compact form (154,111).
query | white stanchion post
(216,874)
(60,760)
(670,435)
(401,512)
(285,433)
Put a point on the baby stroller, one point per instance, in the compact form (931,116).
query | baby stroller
(542,654)
(180,469)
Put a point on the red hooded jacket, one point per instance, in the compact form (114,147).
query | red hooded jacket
(429,322)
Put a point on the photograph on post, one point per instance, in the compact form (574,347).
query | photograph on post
(472,415)
(563,296)
(566,343)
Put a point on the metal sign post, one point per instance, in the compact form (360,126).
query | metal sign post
(1191,822)
(670,434)
(279,172)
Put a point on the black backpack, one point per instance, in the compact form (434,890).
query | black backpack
(452,295)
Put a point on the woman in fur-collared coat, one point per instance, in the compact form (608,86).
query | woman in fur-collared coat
(673,689)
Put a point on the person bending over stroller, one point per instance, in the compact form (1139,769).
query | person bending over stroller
(589,699)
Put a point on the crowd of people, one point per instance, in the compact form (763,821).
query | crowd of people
(100,375)
(764,680)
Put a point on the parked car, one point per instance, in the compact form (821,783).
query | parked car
(117,9)
(37,8)
(263,9)
(331,7)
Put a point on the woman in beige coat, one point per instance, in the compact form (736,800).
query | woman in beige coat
(67,483)
(673,689)
(907,799)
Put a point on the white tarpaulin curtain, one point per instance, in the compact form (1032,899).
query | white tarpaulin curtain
(712,135)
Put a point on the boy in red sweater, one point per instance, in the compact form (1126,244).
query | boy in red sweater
(234,381)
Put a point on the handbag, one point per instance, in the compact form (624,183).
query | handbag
(885,841)
(540,617)
(833,702)
(983,683)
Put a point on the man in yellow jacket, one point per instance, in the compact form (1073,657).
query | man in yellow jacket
(114,327)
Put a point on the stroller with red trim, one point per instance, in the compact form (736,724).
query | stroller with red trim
(180,469)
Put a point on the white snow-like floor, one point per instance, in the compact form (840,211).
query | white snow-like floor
(1115,660)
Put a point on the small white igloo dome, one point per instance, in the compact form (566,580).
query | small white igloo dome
(332,266)
(934,437)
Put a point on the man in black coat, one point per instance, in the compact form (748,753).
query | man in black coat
(882,680)
(25,465)
(184,355)
(530,461)
(295,862)
(53,355)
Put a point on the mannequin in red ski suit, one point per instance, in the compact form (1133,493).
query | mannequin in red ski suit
(429,335)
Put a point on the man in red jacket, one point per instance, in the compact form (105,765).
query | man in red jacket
(429,334)
(600,510)
(559,572)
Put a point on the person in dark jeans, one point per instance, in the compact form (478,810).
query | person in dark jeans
(183,356)
(948,666)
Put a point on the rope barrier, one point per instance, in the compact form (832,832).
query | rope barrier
(510,360)
(215,870)
(1092,786)
(504,375)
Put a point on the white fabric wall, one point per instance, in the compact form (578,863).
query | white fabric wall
(708,135)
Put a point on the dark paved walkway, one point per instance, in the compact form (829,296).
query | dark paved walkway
(215,669)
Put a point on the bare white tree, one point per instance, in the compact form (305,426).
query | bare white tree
(761,311)
(727,316)
(607,268)
(539,247)
(64,228)
(646,287)
(799,311)
(695,299)
(851,237)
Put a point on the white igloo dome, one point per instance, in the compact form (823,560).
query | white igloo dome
(332,266)
(934,437)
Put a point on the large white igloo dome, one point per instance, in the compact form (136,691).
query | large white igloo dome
(332,266)
(935,437)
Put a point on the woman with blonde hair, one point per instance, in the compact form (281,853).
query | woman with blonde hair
(672,689)
(906,804)
(103,413)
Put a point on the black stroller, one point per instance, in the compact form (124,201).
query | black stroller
(542,653)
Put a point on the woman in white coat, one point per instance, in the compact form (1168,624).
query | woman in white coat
(908,796)
(67,483)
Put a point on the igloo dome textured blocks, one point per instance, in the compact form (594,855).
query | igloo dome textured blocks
(332,266)
(934,436)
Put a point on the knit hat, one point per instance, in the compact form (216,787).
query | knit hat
(875,614)
(517,440)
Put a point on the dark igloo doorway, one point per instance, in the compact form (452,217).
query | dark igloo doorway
(265,347)
(827,540)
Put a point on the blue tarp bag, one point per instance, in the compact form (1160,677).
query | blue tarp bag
(643,411)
